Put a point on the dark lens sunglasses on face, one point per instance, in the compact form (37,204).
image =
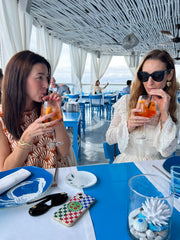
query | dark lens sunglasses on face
(157,76)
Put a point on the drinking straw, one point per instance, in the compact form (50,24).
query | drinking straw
(150,101)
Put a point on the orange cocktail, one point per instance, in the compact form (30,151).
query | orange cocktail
(148,108)
(51,107)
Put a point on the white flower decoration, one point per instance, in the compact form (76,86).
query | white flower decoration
(156,211)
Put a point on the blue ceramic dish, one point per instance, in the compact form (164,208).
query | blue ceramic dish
(28,190)
(172,161)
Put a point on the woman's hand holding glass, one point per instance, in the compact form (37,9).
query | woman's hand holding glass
(162,100)
(37,128)
(145,109)
(46,122)
(148,110)
(136,121)
(51,106)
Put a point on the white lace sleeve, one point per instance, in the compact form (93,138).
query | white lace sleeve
(167,137)
(118,131)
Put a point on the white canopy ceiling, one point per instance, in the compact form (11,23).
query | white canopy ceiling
(110,26)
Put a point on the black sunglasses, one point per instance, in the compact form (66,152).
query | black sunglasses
(40,208)
(157,76)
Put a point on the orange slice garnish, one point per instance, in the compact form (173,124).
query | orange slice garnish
(48,110)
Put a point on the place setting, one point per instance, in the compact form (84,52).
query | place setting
(21,185)
(172,165)
(28,185)
(171,161)
(172,172)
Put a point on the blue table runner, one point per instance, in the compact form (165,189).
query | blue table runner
(109,213)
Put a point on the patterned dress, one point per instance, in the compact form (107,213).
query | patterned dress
(41,155)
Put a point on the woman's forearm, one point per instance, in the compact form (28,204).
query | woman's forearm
(62,136)
(111,135)
(166,139)
(16,158)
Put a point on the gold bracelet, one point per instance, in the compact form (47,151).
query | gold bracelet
(22,143)
(21,147)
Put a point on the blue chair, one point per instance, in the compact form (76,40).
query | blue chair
(85,99)
(110,99)
(178,96)
(83,122)
(73,97)
(119,95)
(96,103)
(110,151)
(107,104)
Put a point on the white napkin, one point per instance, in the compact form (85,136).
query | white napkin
(13,179)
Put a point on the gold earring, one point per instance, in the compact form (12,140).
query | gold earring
(168,83)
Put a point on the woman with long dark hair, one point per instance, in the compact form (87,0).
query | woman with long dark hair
(155,77)
(24,137)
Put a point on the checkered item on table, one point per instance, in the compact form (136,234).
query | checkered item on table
(72,210)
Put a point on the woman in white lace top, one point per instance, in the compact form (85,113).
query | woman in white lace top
(155,76)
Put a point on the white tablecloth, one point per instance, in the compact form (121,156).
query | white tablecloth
(146,167)
(17,224)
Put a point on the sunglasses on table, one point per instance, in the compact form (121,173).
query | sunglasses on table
(157,76)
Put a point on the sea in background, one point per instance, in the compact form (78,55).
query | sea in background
(117,73)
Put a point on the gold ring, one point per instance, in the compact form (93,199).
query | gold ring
(135,121)
(44,125)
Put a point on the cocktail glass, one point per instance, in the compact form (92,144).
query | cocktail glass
(175,179)
(52,107)
(148,109)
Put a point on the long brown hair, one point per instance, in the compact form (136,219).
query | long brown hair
(14,89)
(138,89)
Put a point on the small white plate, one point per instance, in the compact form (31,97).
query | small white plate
(81,179)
